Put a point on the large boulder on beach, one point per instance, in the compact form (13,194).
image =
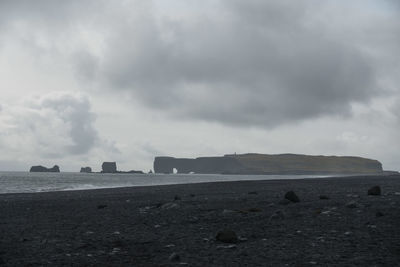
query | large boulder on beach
(374,191)
(227,236)
(291,196)
(40,168)
(109,167)
(86,169)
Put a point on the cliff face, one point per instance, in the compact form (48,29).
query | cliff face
(268,164)
(86,169)
(206,165)
(109,167)
(44,169)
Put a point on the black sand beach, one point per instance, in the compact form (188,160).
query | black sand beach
(177,225)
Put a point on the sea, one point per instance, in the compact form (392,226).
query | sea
(26,182)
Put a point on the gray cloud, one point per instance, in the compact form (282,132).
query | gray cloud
(75,112)
(262,63)
(53,125)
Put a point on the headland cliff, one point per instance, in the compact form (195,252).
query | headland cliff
(253,163)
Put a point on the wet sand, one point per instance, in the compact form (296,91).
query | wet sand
(176,225)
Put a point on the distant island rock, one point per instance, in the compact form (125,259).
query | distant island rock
(86,169)
(252,163)
(132,171)
(111,167)
(40,168)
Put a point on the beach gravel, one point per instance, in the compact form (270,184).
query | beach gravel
(151,226)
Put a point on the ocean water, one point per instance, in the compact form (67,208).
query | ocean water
(25,182)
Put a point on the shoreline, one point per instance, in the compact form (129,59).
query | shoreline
(146,225)
(89,186)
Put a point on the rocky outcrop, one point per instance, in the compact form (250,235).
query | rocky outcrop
(207,165)
(268,164)
(40,168)
(109,167)
(86,169)
(132,171)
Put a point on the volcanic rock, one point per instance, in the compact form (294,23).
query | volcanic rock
(86,169)
(374,191)
(40,168)
(109,167)
(379,214)
(277,215)
(227,236)
(291,196)
(253,163)
(351,204)
(174,257)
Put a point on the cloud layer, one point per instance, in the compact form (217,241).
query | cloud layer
(261,63)
(49,126)
(279,72)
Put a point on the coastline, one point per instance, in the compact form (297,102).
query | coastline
(144,226)
(26,182)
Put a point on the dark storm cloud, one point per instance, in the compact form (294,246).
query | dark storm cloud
(262,63)
(75,112)
(53,125)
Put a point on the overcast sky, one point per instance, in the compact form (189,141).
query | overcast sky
(87,81)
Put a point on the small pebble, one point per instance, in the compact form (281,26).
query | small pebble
(227,236)
(351,204)
(379,214)
(174,257)
(226,247)
(291,196)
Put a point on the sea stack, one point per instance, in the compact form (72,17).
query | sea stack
(40,168)
(86,169)
(109,167)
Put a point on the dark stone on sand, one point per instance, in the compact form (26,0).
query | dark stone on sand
(174,257)
(374,191)
(351,204)
(101,206)
(253,193)
(284,202)
(291,196)
(170,205)
(277,215)
(323,197)
(379,214)
(227,236)
(177,198)
(86,169)
(44,169)
(109,167)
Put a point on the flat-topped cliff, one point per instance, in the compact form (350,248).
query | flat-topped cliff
(40,168)
(253,163)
